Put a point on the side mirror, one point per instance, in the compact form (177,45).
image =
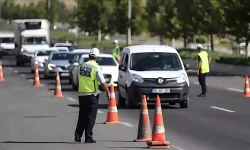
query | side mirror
(187,66)
(122,67)
(75,64)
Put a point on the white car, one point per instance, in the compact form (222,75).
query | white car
(40,56)
(108,64)
(68,45)
(150,70)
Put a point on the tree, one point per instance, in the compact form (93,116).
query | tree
(162,19)
(93,16)
(7,10)
(237,14)
(138,22)
(186,14)
(209,18)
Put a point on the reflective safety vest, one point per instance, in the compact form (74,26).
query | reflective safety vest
(204,61)
(114,51)
(87,79)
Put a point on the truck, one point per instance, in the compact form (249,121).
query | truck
(6,43)
(29,36)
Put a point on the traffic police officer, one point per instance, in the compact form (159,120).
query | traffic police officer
(90,77)
(203,68)
(116,51)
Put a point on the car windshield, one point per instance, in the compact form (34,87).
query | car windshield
(34,40)
(7,40)
(104,61)
(43,53)
(155,61)
(62,56)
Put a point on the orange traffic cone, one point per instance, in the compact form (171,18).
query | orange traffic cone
(144,130)
(246,89)
(112,115)
(158,134)
(1,72)
(36,82)
(58,90)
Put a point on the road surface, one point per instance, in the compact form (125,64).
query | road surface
(31,119)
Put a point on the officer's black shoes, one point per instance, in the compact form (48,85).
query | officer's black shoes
(77,138)
(202,95)
(90,141)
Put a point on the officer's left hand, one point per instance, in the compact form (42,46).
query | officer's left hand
(197,72)
(108,96)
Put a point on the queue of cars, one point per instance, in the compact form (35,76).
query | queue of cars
(144,70)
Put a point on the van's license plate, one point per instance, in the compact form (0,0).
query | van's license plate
(160,90)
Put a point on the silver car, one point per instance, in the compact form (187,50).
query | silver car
(57,61)
(39,57)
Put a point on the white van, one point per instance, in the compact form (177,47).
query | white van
(7,45)
(150,70)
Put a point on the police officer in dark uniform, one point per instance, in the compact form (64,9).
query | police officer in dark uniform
(89,77)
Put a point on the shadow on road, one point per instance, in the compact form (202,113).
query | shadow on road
(63,89)
(20,142)
(38,116)
(215,74)
(105,106)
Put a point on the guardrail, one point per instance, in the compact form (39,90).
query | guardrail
(222,68)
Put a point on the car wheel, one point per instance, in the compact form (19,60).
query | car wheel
(184,104)
(128,102)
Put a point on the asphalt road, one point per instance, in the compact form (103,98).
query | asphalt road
(31,119)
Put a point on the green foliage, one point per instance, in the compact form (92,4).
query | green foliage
(162,18)
(10,11)
(216,57)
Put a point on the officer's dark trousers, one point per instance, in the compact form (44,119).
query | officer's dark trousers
(88,106)
(202,81)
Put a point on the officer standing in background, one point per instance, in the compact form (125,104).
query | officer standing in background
(203,69)
(90,77)
(116,51)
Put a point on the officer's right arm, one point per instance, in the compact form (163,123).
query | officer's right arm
(102,81)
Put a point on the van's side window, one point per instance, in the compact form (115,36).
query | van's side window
(126,60)
(123,57)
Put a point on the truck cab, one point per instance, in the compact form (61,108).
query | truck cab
(30,35)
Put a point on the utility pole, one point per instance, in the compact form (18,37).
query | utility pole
(129,22)
(48,8)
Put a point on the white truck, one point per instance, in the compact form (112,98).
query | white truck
(30,35)
(6,43)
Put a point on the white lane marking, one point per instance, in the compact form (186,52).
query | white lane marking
(71,99)
(127,124)
(99,112)
(236,90)
(195,82)
(31,80)
(10,68)
(23,75)
(15,71)
(176,147)
(223,109)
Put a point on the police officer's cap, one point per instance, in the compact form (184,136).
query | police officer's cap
(94,52)
(199,47)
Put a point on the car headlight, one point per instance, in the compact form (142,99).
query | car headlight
(137,78)
(181,78)
(51,66)
(22,49)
